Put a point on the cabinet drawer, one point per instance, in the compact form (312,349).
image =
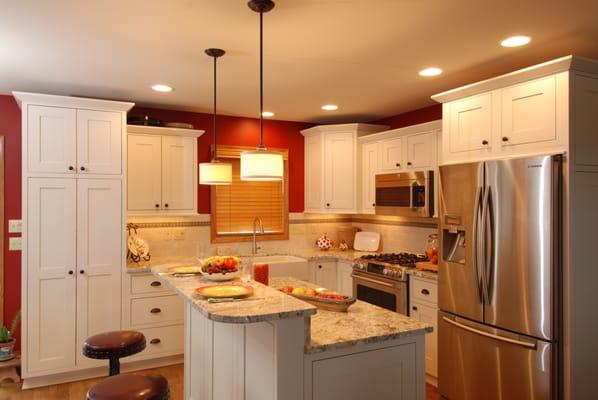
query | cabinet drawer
(165,340)
(156,310)
(424,290)
(146,283)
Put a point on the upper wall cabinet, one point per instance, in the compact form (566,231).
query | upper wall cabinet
(399,150)
(162,170)
(331,167)
(517,114)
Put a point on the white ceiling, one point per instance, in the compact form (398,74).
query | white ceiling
(363,55)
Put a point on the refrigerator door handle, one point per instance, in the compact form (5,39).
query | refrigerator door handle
(528,345)
(486,238)
(476,242)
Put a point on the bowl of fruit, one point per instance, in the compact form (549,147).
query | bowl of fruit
(321,298)
(221,268)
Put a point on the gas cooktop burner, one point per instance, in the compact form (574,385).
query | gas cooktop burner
(403,259)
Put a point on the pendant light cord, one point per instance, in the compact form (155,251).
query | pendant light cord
(214,152)
(261,146)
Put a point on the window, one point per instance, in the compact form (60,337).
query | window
(234,207)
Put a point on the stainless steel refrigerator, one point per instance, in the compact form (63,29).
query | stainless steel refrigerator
(499,279)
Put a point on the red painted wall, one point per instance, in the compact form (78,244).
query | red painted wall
(414,117)
(10,128)
(239,131)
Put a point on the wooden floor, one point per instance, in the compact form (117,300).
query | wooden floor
(77,390)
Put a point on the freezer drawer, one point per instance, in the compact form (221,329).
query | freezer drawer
(480,362)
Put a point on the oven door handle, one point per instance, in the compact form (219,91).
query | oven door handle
(390,285)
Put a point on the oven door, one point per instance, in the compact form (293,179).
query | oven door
(407,194)
(380,291)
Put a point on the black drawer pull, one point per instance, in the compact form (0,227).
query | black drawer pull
(485,142)
(155,341)
(156,284)
(409,163)
(505,139)
(414,308)
(155,310)
(425,292)
(319,266)
(397,164)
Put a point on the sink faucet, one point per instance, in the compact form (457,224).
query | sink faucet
(255,247)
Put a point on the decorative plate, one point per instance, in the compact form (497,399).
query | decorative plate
(219,291)
(185,269)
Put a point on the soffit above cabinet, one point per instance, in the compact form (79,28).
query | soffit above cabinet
(576,63)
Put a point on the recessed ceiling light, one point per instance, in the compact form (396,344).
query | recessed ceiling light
(161,88)
(329,107)
(431,71)
(267,114)
(515,41)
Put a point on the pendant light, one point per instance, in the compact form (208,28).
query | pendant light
(215,172)
(261,164)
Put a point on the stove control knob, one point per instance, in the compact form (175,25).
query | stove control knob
(385,271)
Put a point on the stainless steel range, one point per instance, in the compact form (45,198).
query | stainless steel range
(381,279)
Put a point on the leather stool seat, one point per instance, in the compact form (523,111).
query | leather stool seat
(134,386)
(113,346)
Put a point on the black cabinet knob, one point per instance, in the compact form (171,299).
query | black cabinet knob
(409,163)
(485,142)
(155,310)
(398,164)
(425,292)
(373,204)
(156,284)
(505,139)
(319,267)
(155,341)
(157,205)
(414,308)
(82,168)
(166,205)
(327,204)
(71,272)
(81,271)
(71,168)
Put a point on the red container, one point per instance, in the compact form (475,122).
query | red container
(261,273)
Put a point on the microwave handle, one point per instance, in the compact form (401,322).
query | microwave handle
(411,194)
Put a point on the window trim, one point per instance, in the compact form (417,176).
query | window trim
(235,152)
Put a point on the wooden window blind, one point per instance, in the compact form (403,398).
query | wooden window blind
(234,207)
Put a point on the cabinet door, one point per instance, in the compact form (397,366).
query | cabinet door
(344,279)
(326,274)
(51,262)
(421,151)
(369,168)
(529,112)
(313,173)
(99,142)
(179,172)
(51,139)
(144,171)
(99,259)
(429,315)
(470,125)
(339,172)
(391,155)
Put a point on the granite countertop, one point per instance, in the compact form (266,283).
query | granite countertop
(423,274)
(363,323)
(272,304)
(309,254)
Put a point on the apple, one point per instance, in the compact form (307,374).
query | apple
(218,261)
(287,289)
(230,263)
(310,292)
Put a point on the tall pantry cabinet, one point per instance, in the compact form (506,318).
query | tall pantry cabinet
(73,170)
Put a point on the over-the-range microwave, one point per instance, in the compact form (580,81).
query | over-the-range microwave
(406,194)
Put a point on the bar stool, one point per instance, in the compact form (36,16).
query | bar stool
(113,346)
(130,387)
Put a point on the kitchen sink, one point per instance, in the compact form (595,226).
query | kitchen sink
(295,267)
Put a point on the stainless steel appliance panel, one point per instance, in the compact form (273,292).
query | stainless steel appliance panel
(519,208)
(460,280)
(480,362)
(407,194)
(380,291)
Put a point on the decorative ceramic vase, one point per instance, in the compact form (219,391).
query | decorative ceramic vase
(7,350)
(324,243)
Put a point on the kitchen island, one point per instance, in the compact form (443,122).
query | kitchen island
(279,347)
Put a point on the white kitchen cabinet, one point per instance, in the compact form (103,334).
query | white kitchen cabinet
(369,168)
(470,126)
(49,340)
(424,308)
(162,170)
(99,263)
(390,155)
(422,151)
(51,139)
(325,274)
(344,280)
(331,167)
(99,142)
(73,228)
